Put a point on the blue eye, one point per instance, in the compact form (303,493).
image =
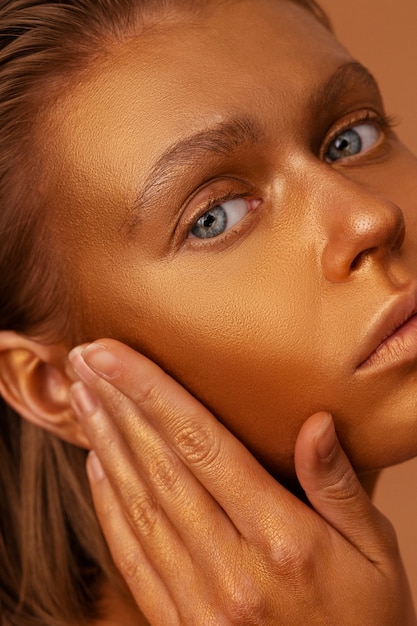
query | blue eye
(352,141)
(220,218)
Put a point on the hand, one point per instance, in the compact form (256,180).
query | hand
(202,534)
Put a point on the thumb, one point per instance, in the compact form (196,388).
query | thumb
(334,490)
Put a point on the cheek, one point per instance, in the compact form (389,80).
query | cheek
(397,181)
(241,340)
(402,190)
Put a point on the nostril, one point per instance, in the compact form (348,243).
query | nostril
(362,256)
(365,232)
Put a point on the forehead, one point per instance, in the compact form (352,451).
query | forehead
(194,57)
(227,45)
(186,73)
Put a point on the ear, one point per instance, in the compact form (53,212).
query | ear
(33,381)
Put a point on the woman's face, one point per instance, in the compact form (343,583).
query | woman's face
(229,201)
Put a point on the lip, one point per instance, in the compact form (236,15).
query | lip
(392,339)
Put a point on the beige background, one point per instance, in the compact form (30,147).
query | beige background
(382,34)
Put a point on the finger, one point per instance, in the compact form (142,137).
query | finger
(146,586)
(69,370)
(183,532)
(332,487)
(217,459)
(190,508)
(152,529)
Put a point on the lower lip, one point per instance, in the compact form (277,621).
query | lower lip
(399,349)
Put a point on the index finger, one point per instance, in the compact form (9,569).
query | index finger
(250,496)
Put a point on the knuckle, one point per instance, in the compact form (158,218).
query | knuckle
(342,484)
(107,509)
(165,473)
(247,611)
(198,443)
(294,557)
(143,512)
(130,565)
(245,604)
(146,390)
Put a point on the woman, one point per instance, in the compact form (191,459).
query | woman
(217,185)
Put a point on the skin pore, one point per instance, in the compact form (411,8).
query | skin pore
(245,107)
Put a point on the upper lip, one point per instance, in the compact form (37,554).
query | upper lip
(387,322)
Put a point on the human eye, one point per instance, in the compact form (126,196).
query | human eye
(221,217)
(357,138)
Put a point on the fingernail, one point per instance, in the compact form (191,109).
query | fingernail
(102,360)
(70,372)
(95,467)
(83,400)
(80,366)
(325,439)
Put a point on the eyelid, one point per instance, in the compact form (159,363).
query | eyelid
(209,193)
(383,122)
(214,199)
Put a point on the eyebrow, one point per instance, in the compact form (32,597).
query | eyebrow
(223,140)
(227,137)
(351,73)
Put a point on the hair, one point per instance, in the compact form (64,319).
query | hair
(53,557)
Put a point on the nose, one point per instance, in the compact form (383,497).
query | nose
(359,226)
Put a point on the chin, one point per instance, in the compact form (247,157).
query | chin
(376,420)
(393,441)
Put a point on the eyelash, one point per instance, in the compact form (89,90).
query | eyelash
(208,206)
(384,123)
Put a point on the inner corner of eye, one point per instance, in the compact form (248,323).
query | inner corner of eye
(255,203)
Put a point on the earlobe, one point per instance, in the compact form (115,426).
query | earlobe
(34,383)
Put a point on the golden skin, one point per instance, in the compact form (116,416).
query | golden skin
(265,324)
